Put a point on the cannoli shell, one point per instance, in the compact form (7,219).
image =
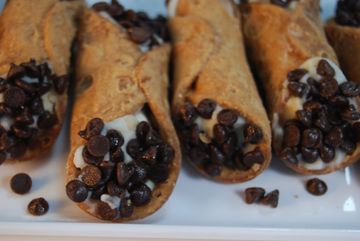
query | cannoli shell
(42,30)
(346,42)
(210,62)
(279,41)
(114,79)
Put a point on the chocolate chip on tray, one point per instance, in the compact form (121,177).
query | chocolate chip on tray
(316,186)
(38,206)
(21,183)
(254,194)
(271,199)
(76,190)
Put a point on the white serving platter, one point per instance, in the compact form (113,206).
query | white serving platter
(199,209)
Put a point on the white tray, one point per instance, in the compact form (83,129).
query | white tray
(198,209)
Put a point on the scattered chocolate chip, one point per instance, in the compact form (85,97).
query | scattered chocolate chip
(221,133)
(126,208)
(271,199)
(253,157)
(140,195)
(316,187)
(14,97)
(325,69)
(206,108)
(21,183)
(105,211)
(142,129)
(76,190)
(38,206)
(98,145)
(350,89)
(227,117)
(297,89)
(47,120)
(90,175)
(296,75)
(252,134)
(254,194)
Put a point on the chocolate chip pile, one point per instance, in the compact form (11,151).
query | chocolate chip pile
(326,122)
(142,29)
(151,161)
(22,106)
(348,13)
(225,148)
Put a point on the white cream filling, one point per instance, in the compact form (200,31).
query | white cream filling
(112,201)
(295,103)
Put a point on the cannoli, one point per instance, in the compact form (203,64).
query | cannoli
(124,158)
(311,104)
(343,33)
(221,121)
(35,42)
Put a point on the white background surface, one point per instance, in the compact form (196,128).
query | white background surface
(199,209)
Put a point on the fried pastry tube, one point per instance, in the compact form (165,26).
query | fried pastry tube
(125,156)
(343,33)
(35,42)
(219,116)
(311,104)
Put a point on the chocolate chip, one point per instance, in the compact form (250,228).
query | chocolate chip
(140,172)
(253,157)
(98,145)
(142,129)
(296,75)
(47,120)
(311,137)
(139,35)
(93,128)
(335,137)
(187,113)
(227,117)
(117,155)
(316,187)
(126,208)
(297,89)
(252,134)
(229,146)
(304,117)
(159,173)
(213,169)
(314,86)
(153,138)
(348,147)
(37,106)
(89,159)
(288,155)
(105,211)
(254,194)
(97,192)
(133,148)
(107,170)
(339,102)
(90,175)
(140,195)
(15,71)
(123,172)
(292,135)
(113,189)
(325,69)
(28,88)
(149,156)
(221,133)
(38,206)
(14,97)
(309,155)
(166,153)
(312,106)
(350,89)
(21,183)
(206,108)
(198,155)
(327,153)
(350,114)
(61,83)
(76,191)
(328,87)
(271,199)
(216,156)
